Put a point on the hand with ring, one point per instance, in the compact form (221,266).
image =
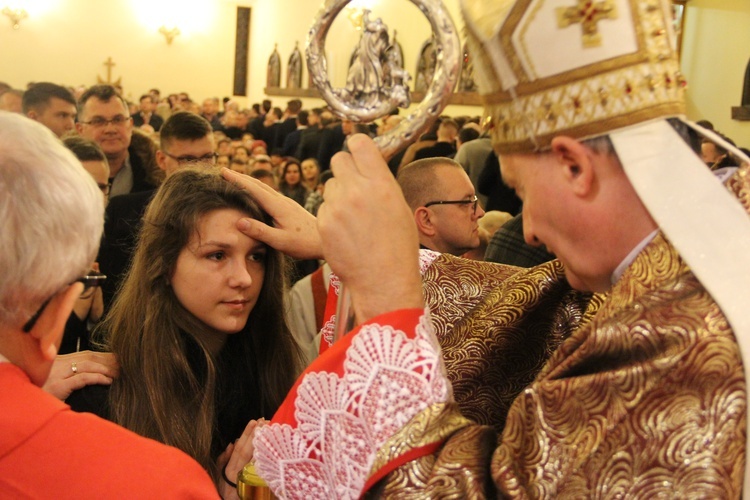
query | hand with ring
(71,372)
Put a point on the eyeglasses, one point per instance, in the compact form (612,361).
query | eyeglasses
(473,201)
(99,122)
(90,280)
(210,158)
(105,188)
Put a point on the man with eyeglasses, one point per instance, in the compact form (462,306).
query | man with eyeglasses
(103,117)
(186,138)
(444,204)
(48,244)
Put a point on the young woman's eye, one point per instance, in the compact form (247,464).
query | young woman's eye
(216,256)
(257,257)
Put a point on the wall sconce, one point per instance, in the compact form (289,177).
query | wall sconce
(15,16)
(169,33)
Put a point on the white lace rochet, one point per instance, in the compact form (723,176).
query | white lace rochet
(343,421)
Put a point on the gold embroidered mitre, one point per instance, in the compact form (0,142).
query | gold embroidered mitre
(580,68)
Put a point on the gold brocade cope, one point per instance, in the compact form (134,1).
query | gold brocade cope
(459,472)
(645,400)
(497,325)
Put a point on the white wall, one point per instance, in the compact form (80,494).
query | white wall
(716,50)
(69,40)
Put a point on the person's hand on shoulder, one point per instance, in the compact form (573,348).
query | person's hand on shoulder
(71,372)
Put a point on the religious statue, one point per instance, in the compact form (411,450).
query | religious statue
(426,65)
(273,73)
(375,70)
(395,52)
(294,69)
(466,83)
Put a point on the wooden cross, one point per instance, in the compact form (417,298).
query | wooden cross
(588,13)
(109,63)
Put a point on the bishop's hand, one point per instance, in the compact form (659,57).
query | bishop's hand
(368,232)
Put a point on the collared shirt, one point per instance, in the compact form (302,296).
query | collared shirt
(631,256)
(123,181)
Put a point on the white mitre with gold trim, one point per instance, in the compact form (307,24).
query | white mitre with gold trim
(572,67)
(586,68)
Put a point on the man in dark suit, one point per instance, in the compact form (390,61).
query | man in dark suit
(445,145)
(289,122)
(103,117)
(146,117)
(291,143)
(309,140)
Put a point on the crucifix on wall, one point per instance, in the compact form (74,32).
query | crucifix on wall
(109,63)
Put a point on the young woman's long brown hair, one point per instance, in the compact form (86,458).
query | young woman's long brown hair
(170,387)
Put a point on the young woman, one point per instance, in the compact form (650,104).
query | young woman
(290,183)
(198,326)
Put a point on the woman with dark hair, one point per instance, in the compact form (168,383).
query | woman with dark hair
(290,183)
(198,326)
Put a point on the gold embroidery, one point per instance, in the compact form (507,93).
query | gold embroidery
(497,325)
(433,424)
(588,13)
(646,400)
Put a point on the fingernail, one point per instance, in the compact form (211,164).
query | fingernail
(243,225)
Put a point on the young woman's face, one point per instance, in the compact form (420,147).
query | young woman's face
(219,273)
(309,170)
(291,176)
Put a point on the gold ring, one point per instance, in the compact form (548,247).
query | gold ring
(74,367)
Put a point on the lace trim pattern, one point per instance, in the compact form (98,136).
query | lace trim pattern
(426,258)
(342,421)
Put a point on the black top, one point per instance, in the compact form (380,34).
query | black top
(499,195)
(440,149)
(237,399)
(122,222)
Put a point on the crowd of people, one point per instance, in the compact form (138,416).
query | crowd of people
(532,319)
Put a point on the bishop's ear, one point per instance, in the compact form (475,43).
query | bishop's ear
(577,162)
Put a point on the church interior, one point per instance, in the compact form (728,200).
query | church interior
(574,294)
(82,42)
